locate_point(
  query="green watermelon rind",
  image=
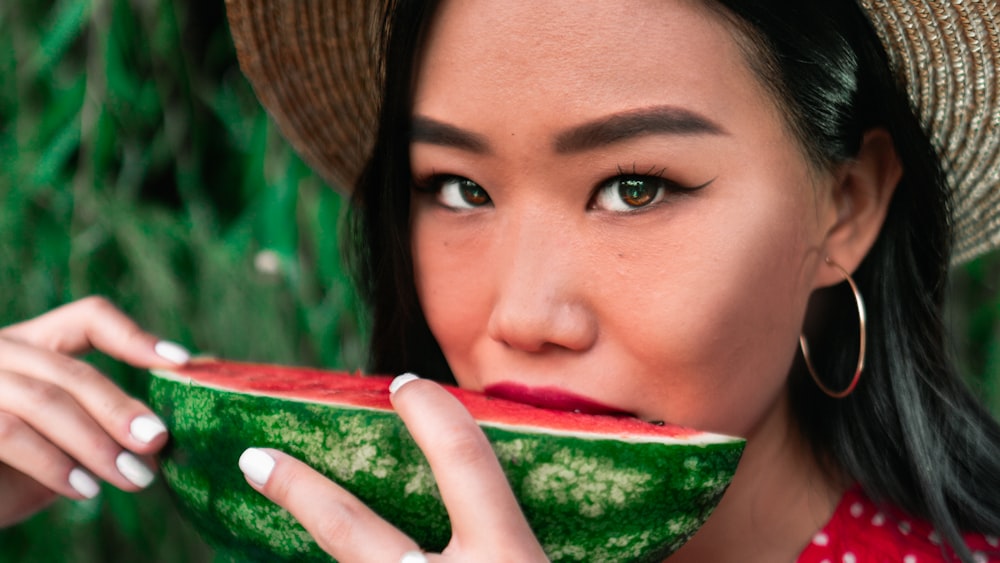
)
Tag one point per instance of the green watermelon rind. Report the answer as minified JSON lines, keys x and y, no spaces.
{"x":585,"y":498}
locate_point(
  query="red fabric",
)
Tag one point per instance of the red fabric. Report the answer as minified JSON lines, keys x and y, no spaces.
{"x":860,"y":532}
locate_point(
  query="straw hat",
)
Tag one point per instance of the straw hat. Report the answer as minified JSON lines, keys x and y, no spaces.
{"x":313,"y":65}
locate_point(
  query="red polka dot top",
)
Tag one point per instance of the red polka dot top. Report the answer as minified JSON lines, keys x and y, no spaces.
{"x":860,"y":532}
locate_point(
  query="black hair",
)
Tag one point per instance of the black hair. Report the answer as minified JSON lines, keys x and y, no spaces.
{"x":379,"y":253}
{"x":912,"y":434}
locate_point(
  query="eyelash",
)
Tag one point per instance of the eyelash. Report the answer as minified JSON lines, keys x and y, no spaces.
{"x":433,"y":183}
{"x":659,"y":174}
{"x":664,"y":187}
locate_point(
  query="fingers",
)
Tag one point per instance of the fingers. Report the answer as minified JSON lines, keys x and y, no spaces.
{"x":24,"y":451}
{"x":487,"y":522}
{"x":47,"y":434}
{"x":483,"y":510}
{"x":22,"y":496}
{"x":35,"y":381}
{"x":342,"y":525}
{"x":95,"y":323}
{"x":63,"y":425}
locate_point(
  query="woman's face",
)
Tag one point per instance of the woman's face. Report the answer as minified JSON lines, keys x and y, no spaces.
{"x":611,"y":213}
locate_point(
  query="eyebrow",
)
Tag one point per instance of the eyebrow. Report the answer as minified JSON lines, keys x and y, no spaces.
{"x":621,"y":127}
{"x":615,"y":128}
{"x":427,"y":130}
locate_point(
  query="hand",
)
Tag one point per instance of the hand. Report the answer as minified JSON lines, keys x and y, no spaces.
{"x":487,"y":523}
{"x":62,"y":423}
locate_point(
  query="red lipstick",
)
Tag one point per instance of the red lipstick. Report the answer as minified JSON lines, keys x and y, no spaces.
{"x":551,"y":398}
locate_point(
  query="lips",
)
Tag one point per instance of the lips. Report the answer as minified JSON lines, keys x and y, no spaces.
{"x":551,"y":398}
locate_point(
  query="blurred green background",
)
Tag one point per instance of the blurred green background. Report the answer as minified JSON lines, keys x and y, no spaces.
{"x":135,"y":163}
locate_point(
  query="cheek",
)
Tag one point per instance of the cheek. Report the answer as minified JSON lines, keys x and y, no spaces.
{"x":699,"y":311}
{"x":452,"y":286}
{"x":727,"y":324}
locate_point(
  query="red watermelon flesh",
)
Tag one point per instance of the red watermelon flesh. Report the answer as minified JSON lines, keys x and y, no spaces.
{"x":372,"y":392}
{"x":593,"y":487}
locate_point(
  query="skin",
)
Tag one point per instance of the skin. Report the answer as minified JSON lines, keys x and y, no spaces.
{"x":545,"y":290}
{"x":686,"y":310}
{"x":58,"y":414}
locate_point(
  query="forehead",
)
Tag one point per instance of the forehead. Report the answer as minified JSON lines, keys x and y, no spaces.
{"x":576,"y":57}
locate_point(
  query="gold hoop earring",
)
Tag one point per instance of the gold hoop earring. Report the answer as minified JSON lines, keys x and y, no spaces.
{"x":862,"y":318}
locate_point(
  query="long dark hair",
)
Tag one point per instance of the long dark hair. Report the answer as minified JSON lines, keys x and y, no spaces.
{"x":911,"y":434}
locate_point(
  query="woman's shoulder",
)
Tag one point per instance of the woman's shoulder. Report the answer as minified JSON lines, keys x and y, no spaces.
{"x":861,"y":532}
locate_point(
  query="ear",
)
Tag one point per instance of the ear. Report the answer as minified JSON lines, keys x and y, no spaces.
{"x":862,"y":190}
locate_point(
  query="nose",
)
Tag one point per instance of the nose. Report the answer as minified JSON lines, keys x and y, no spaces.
{"x":542,"y":300}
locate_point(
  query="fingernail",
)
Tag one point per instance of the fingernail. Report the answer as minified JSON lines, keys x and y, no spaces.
{"x":83,"y":483}
{"x":145,"y":428}
{"x":413,"y":557}
{"x":134,"y":470}
{"x":256,"y":465}
{"x":172,"y":352}
{"x":402,"y":380}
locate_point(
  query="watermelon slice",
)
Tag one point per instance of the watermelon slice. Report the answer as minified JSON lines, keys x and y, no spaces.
{"x":593,"y":487}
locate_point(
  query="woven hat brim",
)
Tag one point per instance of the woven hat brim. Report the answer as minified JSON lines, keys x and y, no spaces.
{"x":313,"y":65}
{"x":948,"y":54}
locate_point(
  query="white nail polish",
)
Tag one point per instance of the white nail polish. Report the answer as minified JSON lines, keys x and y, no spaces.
{"x":256,"y":465}
{"x":83,"y":483}
{"x":172,"y":352}
{"x":402,"y":380}
{"x":145,"y":428}
{"x":134,"y":470}
{"x":413,"y":557}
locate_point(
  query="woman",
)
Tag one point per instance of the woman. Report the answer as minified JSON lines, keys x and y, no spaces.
{"x":649,"y":208}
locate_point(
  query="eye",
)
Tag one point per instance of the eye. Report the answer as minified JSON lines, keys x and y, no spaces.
{"x":630,"y":193}
{"x":456,"y":192}
{"x":633,"y":192}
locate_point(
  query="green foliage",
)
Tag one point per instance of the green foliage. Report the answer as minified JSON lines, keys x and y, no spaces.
{"x":974,"y":314}
{"x":136,"y":163}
